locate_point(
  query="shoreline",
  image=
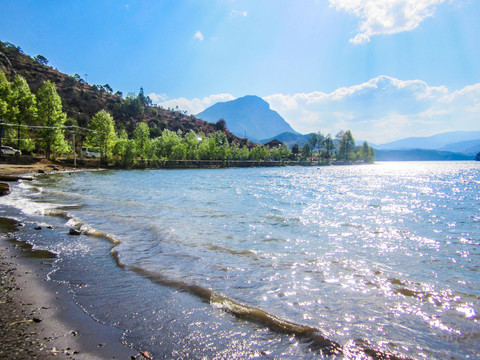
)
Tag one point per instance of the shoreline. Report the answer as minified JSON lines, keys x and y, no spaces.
{"x":39,"y":317}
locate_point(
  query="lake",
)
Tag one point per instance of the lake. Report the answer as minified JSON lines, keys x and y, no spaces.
{"x":291,"y":262}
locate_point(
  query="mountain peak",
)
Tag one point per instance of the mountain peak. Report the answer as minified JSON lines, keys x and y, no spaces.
{"x":249,"y":116}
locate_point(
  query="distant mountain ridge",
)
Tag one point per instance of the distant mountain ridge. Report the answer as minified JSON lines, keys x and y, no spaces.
{"x":434,"y":142}
{"x":454,"y":145}
{"x":419,"y":155}
{"x":249,"y":116}
{"x":289,"y":139}
{"x":470,"y":147}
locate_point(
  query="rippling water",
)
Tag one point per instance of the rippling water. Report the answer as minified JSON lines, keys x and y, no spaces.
{"x":274,"y":263}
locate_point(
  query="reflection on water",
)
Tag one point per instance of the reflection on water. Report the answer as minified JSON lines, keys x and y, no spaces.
{"x":382,"y":257}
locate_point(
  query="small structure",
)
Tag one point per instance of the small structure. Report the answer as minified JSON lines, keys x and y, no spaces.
{"x":274,"y":144}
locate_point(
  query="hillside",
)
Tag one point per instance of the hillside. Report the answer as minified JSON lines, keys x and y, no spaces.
{"x":81,"y":100}
{"x":248,"y":116}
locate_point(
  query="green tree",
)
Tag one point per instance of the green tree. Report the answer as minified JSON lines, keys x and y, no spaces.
{"x":125,"y":150}
{"x":41,"y":59}
{"x":306,"y":152}
{"x":102,"y":134}
{"x":50,"y":115}
{"x":328,"y":146}
{"x":259,"y":153}
{"x":280,"y":153}
{"x":141,"y":135}
{"x":191,"y":141}
{"x":366,"y":153}
{"x":179,"y":152}
{"x":4,"y":100}
{"x":23,"y":111}
{"x":222,"y":148}
{"x":346,"y":146}
{"x":168,"y":141}
{"x":295,"y":151}
{"x":5,"y":93}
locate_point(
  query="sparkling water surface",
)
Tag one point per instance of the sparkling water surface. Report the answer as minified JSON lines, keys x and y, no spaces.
{"x":382,"y":256}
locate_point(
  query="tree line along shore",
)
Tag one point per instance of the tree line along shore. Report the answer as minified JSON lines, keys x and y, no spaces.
{"x":132,"y":132}
{"x":36,"y":123}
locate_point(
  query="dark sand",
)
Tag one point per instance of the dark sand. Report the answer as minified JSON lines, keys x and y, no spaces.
{"x":38,"y":317}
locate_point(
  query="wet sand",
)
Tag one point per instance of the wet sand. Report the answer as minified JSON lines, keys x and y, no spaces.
{"x":38,"y":317}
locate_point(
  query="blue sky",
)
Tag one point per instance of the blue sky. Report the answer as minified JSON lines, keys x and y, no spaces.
{"x":385,"y":69}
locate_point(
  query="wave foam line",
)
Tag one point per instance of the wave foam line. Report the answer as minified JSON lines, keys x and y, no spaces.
{"x":310,"y":334}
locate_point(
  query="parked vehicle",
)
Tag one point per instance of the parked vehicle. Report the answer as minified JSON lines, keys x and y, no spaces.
{"x":90,"y":153}
{"x":8,"y":150}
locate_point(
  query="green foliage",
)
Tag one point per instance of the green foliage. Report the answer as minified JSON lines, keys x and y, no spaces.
{"x":23,"y":111}
{"x":41,"y":59}
{"x":125,"y":150}
{"x":102,"y":134}
{"x":259,"y":153}
{"x":346,"y":147}
{"x":328,"y":146}
{"x":295,"y":151}
{"x":168,"y":141}
{"x":191,"y":141}
{"x":280,"y":153}
{"x":366,"y":153}
{"x":50,"y":115}
{"x":306,"y":152}
{"x":141,"y":135}
{"x":221,"y":125}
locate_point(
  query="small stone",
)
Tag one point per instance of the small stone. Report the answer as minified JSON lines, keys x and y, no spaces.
{"x":74,"y":232}
{"x":38,"y":228}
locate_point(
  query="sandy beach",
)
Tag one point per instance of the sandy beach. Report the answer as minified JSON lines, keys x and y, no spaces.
{"x":38,"y":317}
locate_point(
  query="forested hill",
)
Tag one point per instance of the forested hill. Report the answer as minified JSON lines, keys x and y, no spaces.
{"x":81,"y":100}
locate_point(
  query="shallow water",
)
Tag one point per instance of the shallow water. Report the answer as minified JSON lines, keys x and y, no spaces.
{"x":275,"y":263}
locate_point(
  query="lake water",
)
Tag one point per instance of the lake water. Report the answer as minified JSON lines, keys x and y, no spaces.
{"x":296,"y":262}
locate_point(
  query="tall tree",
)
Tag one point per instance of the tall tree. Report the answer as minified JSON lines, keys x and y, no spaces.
{"x":5,"y":92}
{"x":102,"y":134}
{"x":346,"y":146}
{"x":141,"y":135}
{"x":50,"y":115}
{"x":23,"y":111}
{"x":328,"y":146}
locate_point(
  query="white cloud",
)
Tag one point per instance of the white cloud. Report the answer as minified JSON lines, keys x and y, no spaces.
{"x":157,"y":98}
{"x":192,"y":106}
{"x":382,"y":109}
{"x":236,"y":13}
{"x":198,"y":35}
{"x":386,"y":16}
{"x":379,"y":110}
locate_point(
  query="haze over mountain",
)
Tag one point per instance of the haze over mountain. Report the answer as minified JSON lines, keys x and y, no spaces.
{"x":437,"y":142}
{"x":249,"y":116}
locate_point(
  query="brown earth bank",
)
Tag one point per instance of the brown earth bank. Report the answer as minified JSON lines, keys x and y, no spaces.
{"x":19,"y":166}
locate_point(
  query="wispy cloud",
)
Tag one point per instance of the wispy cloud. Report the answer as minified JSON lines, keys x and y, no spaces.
{"x":192,"y":106}
{"x":198,"y":35}
{"x":382,"y":109}
{"x":386,"y":16}
{"x":237,"y":13}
